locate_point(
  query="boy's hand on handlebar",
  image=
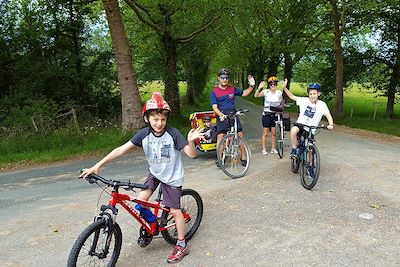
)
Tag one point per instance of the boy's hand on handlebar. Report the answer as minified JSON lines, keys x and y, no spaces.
{"x":86,"y":172}
{"x":222,"y":118}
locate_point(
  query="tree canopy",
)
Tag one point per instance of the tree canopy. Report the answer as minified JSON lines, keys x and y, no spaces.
{"x":57,"y":55}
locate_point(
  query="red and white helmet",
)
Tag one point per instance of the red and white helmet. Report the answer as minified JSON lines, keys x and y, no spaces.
{"x":156,"y":102}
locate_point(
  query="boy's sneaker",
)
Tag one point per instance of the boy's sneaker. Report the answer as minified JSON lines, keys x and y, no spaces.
{"x":178,"y":253}
{"x":264,"y":152}
{"x":274,"y":151}
{"x":244,"y":162}
{"x":310,"y":171}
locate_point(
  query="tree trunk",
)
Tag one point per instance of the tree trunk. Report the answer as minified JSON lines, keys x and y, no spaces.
{"x":339,"y":78}
{"x":338,"y":31}
{"x":201,"y":78}
{"x":74,"y":26}
{"x":130,"y":99}
{"x":190,"y":88}
{"x":391,"y":94}
{"x":171,"y":83}
{"x":273,"y":65}
{"x":288,"y":69}
{"x":257,"y":64}
{"x":394,"y":79}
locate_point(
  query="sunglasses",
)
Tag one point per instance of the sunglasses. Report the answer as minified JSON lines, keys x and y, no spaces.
{"x":272,"y":83}
{"x":224,"y":77}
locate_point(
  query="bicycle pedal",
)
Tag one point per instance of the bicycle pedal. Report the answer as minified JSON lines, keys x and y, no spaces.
{"x":144,"y":241}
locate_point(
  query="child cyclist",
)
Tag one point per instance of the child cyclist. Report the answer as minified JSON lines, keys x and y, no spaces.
{"x":161,"y":145}
{"x":271,"y":95}
{"x":311,"y":111}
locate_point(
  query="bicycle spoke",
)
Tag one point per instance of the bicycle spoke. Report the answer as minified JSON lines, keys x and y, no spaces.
{"x":310,"y":167}
{"x":235,"y":156}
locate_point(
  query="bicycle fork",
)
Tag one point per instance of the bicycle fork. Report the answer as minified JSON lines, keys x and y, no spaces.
{"x":109,"y":220}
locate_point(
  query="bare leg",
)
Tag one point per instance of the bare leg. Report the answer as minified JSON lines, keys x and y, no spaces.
{"x":180,"y":222}
{"x":219,"y":139}
{"x":145,"y":194}
{"x":242,"y":149}
{"x":273,"y":138}
{"x":264,"y":138}
{"x":293,"y":136}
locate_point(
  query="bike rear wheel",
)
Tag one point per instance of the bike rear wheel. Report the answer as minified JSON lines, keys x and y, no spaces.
{"x":230,"y":153}
{"x":89,"y":248}
{"x":310,"y":167}
{"x":192,"y":209}
{"x":279,"y":139}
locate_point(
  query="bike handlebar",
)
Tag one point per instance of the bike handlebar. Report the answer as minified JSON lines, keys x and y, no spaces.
{"x":312,"y":127}
{"x":92,"y":178}
{"x":241,"y":111}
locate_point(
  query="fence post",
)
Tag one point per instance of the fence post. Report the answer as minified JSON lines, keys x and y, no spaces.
{"x":376,"y":106}
{"x":34,"y":124}
{"x":75,"y":120}
{"x":351,"y":112}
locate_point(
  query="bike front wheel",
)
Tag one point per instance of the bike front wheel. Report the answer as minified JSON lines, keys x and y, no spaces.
{"x":279,"y":139}
{"x":97,"y":245}
{"x":310,"y":167}
{"x":295,"y":162}
{"x":192,"y":209}
{"x":233,"y":156}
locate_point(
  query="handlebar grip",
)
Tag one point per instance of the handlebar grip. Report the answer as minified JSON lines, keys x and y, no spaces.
{"x":94,"y":177}
{"x":141,"y":186}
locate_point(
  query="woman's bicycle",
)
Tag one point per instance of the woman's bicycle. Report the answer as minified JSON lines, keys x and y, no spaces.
{"x":100,"y":243}
{"x":277,"y":108}
{"x":307,"y":157}
{"x":233,"y":152}
{"x":280,"y":134}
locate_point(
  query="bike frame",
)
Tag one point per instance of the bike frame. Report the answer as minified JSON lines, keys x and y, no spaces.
{"x":308,"y":137}
{"x":233,"y":129}
{"x":151,"y":228}
{"x":279,"y":123}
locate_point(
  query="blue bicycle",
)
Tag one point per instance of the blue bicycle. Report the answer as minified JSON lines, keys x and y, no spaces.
{"x":307,"y":157}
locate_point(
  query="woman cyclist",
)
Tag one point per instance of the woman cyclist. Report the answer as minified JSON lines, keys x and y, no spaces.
{"x":271,"y":95}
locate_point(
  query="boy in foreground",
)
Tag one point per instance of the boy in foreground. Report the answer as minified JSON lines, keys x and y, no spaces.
{"x":161,"y":145}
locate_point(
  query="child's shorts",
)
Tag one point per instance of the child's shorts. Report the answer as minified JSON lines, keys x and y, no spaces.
{"x":171,"y":195}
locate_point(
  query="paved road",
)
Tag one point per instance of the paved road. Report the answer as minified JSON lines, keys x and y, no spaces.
{"x":263,"y":219}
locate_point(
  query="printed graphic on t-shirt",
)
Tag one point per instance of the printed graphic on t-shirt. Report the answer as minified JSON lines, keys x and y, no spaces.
{"x":160,"y":152}
{"x":165,"y":151}
{"x":310,"y":111}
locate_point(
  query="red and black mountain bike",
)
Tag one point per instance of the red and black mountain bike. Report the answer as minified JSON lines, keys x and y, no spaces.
{"x":100,"y":243}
